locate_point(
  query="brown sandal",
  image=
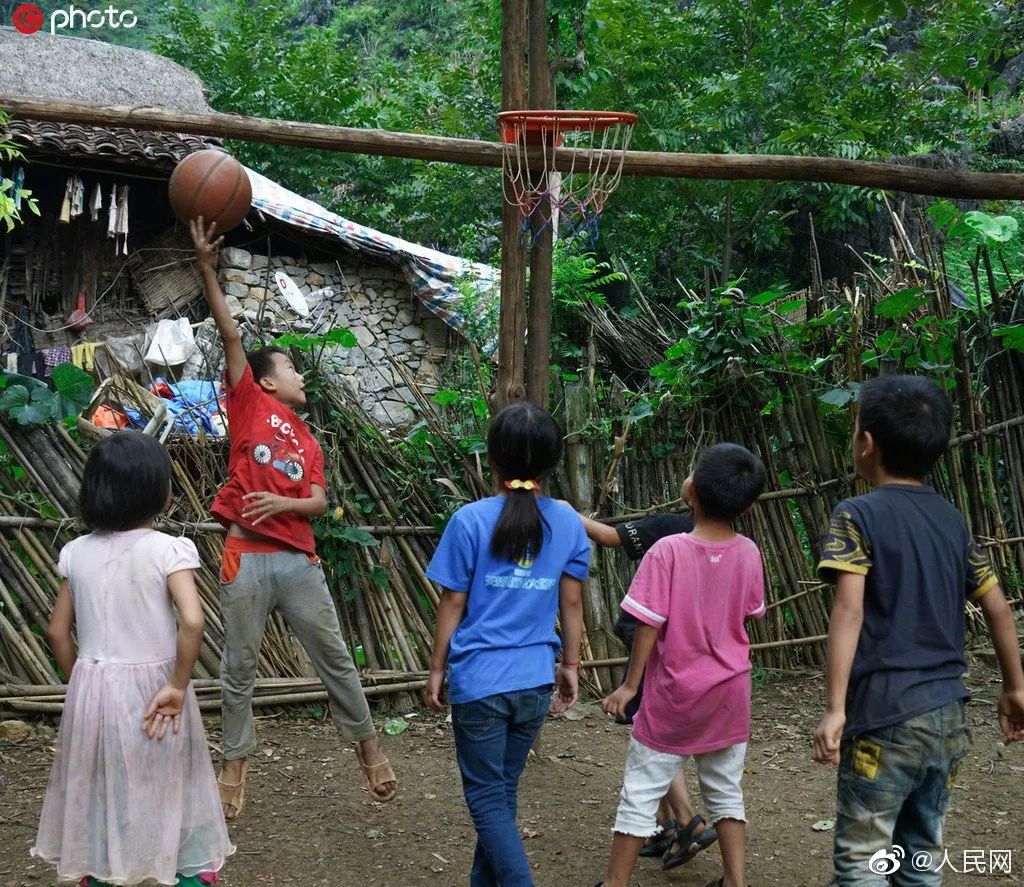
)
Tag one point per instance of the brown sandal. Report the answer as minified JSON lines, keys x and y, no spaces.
{"x":377,"y":775}
{"x":232,"y":794}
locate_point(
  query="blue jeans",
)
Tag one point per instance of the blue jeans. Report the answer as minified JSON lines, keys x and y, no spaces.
{"x":894,"y":786}
{"x":493,"y":736}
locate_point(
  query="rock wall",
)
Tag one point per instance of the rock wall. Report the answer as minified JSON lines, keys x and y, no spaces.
{"x":373,"y":301}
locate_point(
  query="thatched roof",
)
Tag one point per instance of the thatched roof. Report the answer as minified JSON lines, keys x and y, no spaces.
{"x":89,"y":72}
{"x":73,"y":69}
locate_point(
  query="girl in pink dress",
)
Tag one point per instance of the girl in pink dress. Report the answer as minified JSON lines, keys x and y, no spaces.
{"x":132,"y":796}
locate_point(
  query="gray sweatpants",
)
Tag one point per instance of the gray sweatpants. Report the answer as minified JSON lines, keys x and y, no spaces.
{"x":290,"y":582}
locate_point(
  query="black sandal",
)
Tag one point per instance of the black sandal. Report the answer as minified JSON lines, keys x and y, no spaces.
{"x":690,"y":843}
{"x":659,"y":844}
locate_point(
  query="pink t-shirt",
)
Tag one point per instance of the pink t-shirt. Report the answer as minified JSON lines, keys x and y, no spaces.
{"x":697,"y":683}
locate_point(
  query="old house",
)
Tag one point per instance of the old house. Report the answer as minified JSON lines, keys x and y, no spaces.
{"x":105,"y":259}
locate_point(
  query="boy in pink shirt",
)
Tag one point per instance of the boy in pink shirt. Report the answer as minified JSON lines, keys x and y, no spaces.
{"x":692,"y":595}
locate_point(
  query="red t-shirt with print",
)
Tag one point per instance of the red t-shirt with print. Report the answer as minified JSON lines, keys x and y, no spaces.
{"x":271,"y":451}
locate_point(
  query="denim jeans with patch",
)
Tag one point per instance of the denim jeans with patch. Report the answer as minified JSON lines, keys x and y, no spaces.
{"x":894,"y":786}
{"x":493,"y":737}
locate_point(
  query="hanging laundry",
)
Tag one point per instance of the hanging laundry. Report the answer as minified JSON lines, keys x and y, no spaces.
{"x":12,"y":362}
{"x":112,"y":215}
{"x":19,"y":184}
{"x":24,"y":344}
{"x":122,"y":220}
{"x":77,"y":198}
{"x":53,"y":357}
{"x":96,"y":204}
{"x":40,"y":370}
{"x":65,"y":207}
{"x":83,"y":355}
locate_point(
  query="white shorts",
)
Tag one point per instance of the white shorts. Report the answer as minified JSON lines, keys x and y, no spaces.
{"x":649,"y":774}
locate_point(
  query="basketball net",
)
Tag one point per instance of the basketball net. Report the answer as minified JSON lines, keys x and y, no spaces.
{"x":569,"y":201}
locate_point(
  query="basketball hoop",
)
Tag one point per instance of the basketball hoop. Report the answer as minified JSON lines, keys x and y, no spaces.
{"x":572,"y":199}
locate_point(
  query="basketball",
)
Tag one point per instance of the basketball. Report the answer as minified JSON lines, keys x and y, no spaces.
{"x":213,"y":185}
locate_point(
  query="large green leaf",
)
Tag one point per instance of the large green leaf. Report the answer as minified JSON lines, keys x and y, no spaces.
{"x":1012,"y":336}
{"x":837,"y":397}
{"x":901,"y":304}
{"x":72,"y":390}
{"x":999,"y":229}
{"x":27,"y":408}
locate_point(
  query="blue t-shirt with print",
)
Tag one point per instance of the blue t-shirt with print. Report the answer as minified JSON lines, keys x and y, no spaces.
{"x":506,"y":640}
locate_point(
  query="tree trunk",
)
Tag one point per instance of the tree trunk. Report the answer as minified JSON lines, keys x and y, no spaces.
{"x":512,"y":313}
{"x":538,"y":343}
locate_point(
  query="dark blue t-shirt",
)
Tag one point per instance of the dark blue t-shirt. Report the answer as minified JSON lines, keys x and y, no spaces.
{"x":920,"y":564}
{"x":506,"y":640}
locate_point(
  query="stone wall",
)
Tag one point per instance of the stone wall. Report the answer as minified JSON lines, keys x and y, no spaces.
{"x":373,"y":301}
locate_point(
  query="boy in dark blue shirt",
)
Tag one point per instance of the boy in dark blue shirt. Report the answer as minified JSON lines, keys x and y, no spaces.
{"x":904,"y":565}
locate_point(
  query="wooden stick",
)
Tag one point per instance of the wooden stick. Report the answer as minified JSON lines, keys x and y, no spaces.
{"x":196,"y":529}
{"x":471,"y":152}
{"x":770,"y":645}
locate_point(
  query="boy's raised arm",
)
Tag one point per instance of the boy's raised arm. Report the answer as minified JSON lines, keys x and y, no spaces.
{"x":207,"y":243}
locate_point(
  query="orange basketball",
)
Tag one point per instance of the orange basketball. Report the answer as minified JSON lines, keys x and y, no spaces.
{"x":213,"y":185}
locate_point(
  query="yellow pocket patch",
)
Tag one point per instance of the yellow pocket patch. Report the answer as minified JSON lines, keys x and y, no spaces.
{"x":866,"y":758}
{"x":952,"y":778}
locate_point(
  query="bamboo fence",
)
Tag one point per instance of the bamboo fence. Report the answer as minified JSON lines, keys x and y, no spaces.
{"x":617,"y":469}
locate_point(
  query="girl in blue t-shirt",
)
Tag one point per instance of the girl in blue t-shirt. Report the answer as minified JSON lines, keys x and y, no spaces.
{"x":508,"y":565}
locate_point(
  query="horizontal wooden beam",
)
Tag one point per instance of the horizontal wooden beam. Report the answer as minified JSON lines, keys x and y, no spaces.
{"x":470,"y":152}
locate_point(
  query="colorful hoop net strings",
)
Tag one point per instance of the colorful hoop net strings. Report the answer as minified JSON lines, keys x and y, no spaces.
{"x":570,"y":201}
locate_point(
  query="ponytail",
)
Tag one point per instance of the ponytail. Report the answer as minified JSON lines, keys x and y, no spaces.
{"x":523,"y":444}
{"x":519,"y":534}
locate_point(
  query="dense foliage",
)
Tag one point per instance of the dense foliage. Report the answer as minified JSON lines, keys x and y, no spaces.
{"x":854,"y":78}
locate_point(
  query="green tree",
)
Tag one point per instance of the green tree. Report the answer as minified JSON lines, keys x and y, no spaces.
{"x":10,"y":194}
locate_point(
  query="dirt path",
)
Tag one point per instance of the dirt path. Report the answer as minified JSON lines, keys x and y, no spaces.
{"x":308,"y":820}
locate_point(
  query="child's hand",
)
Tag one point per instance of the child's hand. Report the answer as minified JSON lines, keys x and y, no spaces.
{"x":828,"y":737}
{"x":1011,"y":715}
{"x":259,"y":506}
{"x":615,"y":705}
{"x":434,"y":692}
{"x":203,"y":240}
{"x":568,"y":685}
{"x":163,"y":710}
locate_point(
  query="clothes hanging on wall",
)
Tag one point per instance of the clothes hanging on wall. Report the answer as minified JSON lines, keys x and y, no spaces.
{"x":19,"y":184}
{"x":53,"y":357}
{"x":65,"y":207}
{"x":12,"y":362}
{"x":83,"y":355}
{"x":96,"y":204}
{"x":122,"y":221}
{"x":112,"y":214}
{"x":77,"y":197}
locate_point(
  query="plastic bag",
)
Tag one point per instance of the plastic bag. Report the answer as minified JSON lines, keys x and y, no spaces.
{"x":173,"y":343}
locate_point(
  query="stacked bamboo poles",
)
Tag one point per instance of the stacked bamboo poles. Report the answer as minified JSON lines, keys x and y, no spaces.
{"x":385,"y":602}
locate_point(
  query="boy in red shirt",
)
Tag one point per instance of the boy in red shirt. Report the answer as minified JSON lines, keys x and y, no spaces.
{"x":275,"y":486}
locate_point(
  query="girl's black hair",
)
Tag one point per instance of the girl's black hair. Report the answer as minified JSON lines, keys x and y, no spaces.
{"x":523,"y":443}
{"x":127,"y":481}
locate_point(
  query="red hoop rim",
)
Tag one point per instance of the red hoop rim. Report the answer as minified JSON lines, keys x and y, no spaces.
{"x":557,"y":121}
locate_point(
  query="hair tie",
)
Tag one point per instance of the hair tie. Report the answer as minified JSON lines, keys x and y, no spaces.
{"x":522,"y":485}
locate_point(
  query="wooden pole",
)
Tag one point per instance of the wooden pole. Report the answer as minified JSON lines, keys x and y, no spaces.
{"x":471,"y":152}
{"x":538,"y":342}
{"x":512,"y":311}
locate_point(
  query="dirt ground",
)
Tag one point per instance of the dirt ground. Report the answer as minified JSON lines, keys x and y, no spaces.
{"x":308,"y":820}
